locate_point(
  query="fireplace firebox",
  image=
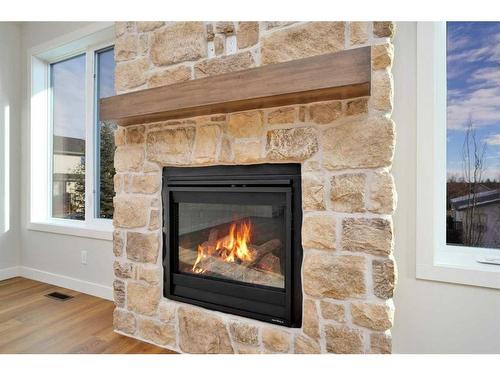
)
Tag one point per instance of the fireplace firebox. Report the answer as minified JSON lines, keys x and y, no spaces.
{"x":232,"y":239}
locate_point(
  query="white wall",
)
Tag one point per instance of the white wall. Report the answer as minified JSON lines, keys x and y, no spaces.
{"x":53,"y":257}
{"x":431,"y":317}
{"x":10,"y":75}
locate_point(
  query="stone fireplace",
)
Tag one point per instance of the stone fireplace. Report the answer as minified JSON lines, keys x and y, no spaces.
{"x":343,"y":150}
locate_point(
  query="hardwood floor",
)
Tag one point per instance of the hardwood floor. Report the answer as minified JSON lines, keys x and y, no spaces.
{"x":33,"y":323}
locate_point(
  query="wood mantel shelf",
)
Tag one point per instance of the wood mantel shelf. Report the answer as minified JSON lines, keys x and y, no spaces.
{"x":340,"y":75}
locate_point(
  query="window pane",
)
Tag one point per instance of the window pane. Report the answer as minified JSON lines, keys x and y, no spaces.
{"x":105,"y":86}
{"x":473,"y":134}
{"x":68,"y":138}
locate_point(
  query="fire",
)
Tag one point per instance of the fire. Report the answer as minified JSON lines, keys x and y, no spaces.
{"x":234,"y":247}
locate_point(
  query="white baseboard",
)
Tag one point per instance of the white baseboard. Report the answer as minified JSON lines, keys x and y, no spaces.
{"x":79,"y":285}
{"x":8,"y":273}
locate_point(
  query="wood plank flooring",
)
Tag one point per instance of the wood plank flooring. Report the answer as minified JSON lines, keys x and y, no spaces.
{"x":33,"y":323}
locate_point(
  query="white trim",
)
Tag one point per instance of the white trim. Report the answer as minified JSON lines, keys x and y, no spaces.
{"x":67,"y":227}
{"x":434,"y":259}
{"x":9,"y":273}
{"x":85,"y":40}
{"x":67,"y":282}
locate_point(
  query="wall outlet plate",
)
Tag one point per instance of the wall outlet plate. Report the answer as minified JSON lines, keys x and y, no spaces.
{"x":84,"y":257}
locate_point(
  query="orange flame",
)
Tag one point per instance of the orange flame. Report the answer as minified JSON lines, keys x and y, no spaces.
{"x":231,"y":248}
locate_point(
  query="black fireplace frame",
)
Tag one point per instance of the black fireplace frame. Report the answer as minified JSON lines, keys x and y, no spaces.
{"x":274,"y":305}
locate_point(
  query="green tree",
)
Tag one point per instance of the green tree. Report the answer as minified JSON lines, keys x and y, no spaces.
{"x":107,"y":169}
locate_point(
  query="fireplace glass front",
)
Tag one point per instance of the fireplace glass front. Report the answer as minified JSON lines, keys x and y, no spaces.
{"x":232,"y":239}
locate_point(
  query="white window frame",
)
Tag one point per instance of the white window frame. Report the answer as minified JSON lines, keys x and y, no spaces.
{"x":434,"y":259}
{"x":87,"y":40}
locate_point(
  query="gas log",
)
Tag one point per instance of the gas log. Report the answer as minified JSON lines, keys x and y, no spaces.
{"x":263,"y":268}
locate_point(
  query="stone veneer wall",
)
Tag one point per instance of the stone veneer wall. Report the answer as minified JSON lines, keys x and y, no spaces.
{"x":346,"y":150}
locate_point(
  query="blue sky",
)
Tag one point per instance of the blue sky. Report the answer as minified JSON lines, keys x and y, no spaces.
{"x":68,"y":85}
{"x":473,"y":78}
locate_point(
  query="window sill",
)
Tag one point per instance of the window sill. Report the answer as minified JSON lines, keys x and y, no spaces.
{"x":101,"y":231}
{"x":460,"y":266}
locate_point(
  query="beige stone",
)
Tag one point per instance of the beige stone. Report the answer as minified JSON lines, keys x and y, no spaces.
{"x":126,"y":47}
{"x":382,"y":193}
{"x":117,"y":243}
{"x":275,"y":340}
{"x":177,"y":42}
{"x":118,"y":183}
{"x":149,"y":274}
{"x":142,"y":247}
{"x":275,"y":24}
{"x":247,"y":152}
{"x":219,"y":45}
{"x":285,"y":115}
{"x":343,"y":340}
{"x":245,"y":124}
{"x":170,"y":146}
{"x":120,"y":138}
{"x":130,"y":74}
{"x":372,"y":236}
{"x":318,"y":232}
{"x":206,"y":142}
{"x":210,"y":32}
{"x":226,"y":150}
{"x":124,"y":270}
{"x":383,"y":29}
{"x":358,"y":32}
{"x":143,"y":298}
{"x":313,"y":192}
{"x":166,"y":311}
{"x":325,"y":113}
{"x":332,"y":276}
{"x":310,"y":325}
{"x":311,"y":166}
{"x":224,"y":64}
{"x":347,"y":193}
{"x":244,"y":333}
{"x":302,"y":113}
{"x":295,"y":144}
{"x":202,"y":332}
{"x":306,"y":345}
{"x":135,"y":134}
{"x":243,"y":349}
{"x":157,"y":332}
{"x":124,"y":321}
{"x":169,"y":76}
{"x":119,"y":293}
{"x":378,"y":317}
{"x":380,"y":343}
{"x":145,"y":26}
{"x":129,"y":158}
{"x":310,"y":39}
{"x":248,"y":34}
{"x":224,"y":27}
{"x":359,"y":144}
{"x":332,"y":311}
{"x":130,"y":211}
{"x":384,"y":278}
{"x":154,"y":220}
{"x":382,"y":56}
{"x":143,"y":46}
{"x":144,"y":183}
{"x":358,"y":106}
{"x":382,"y":90}
{"x":124,"y":27}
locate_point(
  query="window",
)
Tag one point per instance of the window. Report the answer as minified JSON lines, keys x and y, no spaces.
{"x":67,"y":83}
{"x":473,"y":134}
{"x":458,"y":125}
{"x":105,"y":86}
{"x":71,"y":149}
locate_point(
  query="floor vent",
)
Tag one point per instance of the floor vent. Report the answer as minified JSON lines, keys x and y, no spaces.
{"x":58,"y":296}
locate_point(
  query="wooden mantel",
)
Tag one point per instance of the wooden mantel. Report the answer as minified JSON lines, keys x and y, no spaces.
{"x":340,"y":75}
